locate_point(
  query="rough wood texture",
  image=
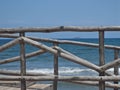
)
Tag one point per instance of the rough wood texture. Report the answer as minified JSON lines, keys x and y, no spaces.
{"x":9,"y":44}
{"x":101,"y":58}
{"x":55,"y":68}
{"x":110,"y":64}
{"x":60,"y":29}
{"x":116,"y":67}
{"x":17,"y":58}
{"x":63,"y":41}
{"x":22,"y":61}
{"x":96,"y":83}
{"x":61,"y":78}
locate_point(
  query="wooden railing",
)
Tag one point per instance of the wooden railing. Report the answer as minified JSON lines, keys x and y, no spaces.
{"x":24,"y":76}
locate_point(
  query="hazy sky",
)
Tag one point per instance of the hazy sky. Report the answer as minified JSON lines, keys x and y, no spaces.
{"x":49,"y":13}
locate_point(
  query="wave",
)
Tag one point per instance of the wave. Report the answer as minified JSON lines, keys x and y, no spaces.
{"x":69,"y":71}
{"x":64,"y":71}
{"x":112,"y":70}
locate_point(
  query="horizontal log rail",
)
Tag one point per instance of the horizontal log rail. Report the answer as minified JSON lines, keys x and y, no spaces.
{"x":60,"y":29}
{"x":96,"y":83}
{"x":61,"y":78}
{"x":63,"y":41}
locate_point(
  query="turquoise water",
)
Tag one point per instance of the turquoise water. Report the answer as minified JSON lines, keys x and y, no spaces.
{"x":44,"y":63}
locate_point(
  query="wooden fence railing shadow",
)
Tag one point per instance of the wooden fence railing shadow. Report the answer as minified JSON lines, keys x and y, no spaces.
{"x":104,"y":79}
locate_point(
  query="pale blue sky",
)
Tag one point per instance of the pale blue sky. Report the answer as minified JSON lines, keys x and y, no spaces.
{"x":48,"y":13}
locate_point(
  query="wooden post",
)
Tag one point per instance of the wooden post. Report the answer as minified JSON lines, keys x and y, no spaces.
{"x":116,"y":67}
{"x":55,"y":68}
{"x":101,"y":58}
{"x":23,"y":62}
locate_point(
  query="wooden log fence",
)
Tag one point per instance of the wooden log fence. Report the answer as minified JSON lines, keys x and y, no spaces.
{"x":116,"y":67}
{"x":56,"y":68}
{"x":64,"y":42}
{"x":96,"y":83}
{"x":8,"y":45}
{"x":60,"y":29}
{"x":66,"y":56}
{"x":61,"y":78}
{"x":17,"y":58}
{"x":22,"y":61}
{"x":101,"y":58}
{"x":23,"y":75}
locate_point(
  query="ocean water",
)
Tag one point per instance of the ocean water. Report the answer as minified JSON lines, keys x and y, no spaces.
{"x":44,"y":63}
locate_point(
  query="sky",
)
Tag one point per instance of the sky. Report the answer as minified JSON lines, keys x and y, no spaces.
{"x":50,"y":13}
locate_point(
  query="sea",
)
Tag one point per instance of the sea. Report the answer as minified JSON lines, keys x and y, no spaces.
{"x":44,"y":63}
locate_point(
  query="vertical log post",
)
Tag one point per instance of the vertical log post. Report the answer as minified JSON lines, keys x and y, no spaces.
{"x":23,"y":62}
{"x":101,"y":58}
{"x":55,"y":69}
{"x":116,"y":67}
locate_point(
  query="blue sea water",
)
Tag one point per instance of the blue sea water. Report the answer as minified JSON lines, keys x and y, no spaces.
{"x":44,"y":63}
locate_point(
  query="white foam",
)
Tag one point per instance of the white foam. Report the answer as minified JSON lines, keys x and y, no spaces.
{"x":69,"y":71}
{"x":112,"y":70}
{"x":62,"y":70}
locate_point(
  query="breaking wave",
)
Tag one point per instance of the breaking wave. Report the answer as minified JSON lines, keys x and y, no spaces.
{"x":69,"y":71}
{"x":65,"y":71}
